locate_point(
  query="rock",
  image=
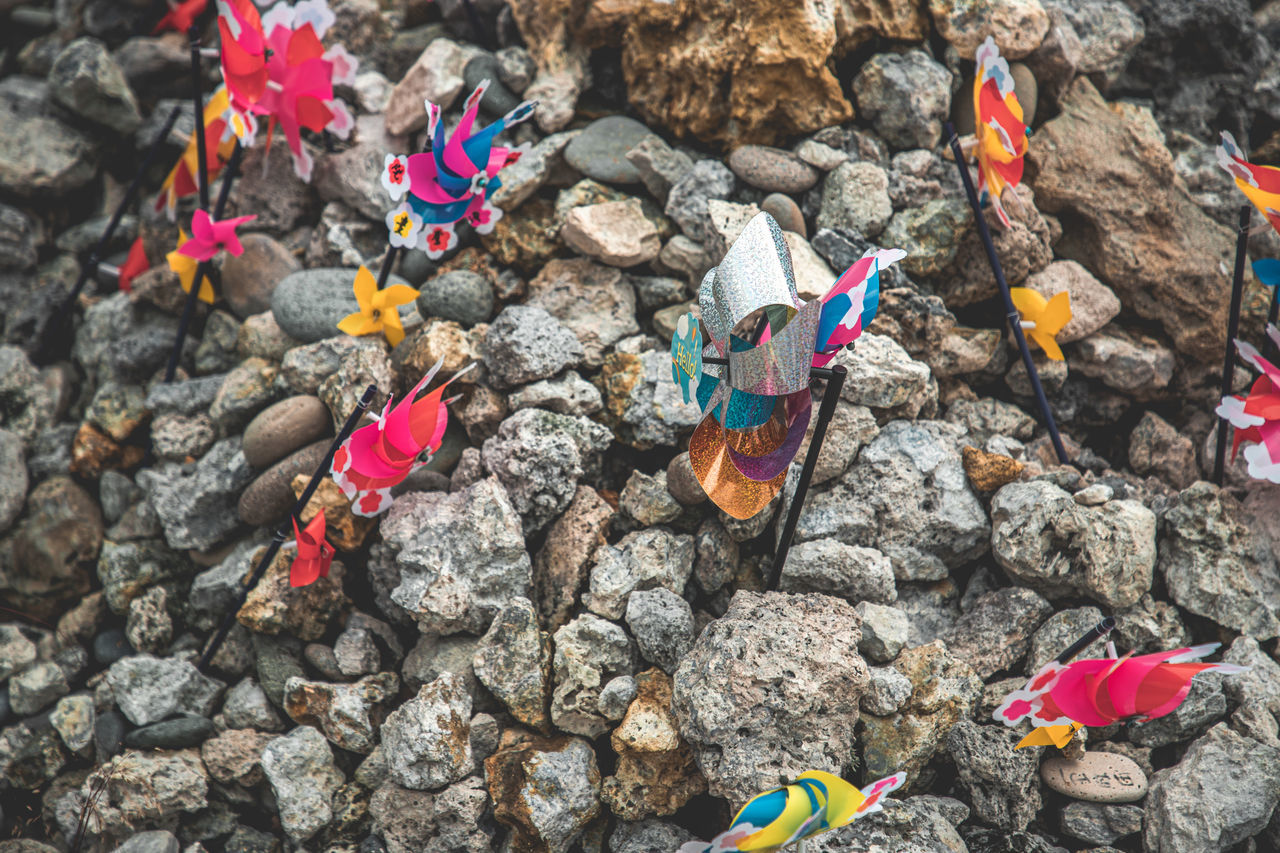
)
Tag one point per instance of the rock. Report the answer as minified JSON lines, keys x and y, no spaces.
{"x":513,"y":660}
{"x":907,"y":95}
{"x":1093,"y":304}
{"x":1216,"y":566}
{"x":153,"y":841}
{"x":49,"y":555}
{"x":786,"y":212}
{"x":884,"y":631}
{"x":149,"y":627}
{"x":1100,"y":824}
{"x":546,"y":790}
{"x":1131,"y":363}
{"x":355,"y":653}
{"x":743,"y":717}
{"x":36,"y":687}
{"x":308,"y":304}
{"x":436,"y":76}
{"x":616,"y":697}
{"x":29,"y":408}
{"x":597,"y":303}
{"x":772,"y":169}
{"x":995,"y":630}
{"x":647,"y":499}
{"x":87,"y":81}
{"x":1018,"y":26}
{"x":1000,"y":779}
{"x":641,"y":403}
{"x":1204,"y":705}
{"x":235,"y":755}
{"x":682,"y":483}
{"x":249,"y":280}
{"x":414,"y":820}
{"x":284,"y":427}
{"x":539,"y":457}
{"x":523,"y":178}
{"x":459,"y":295}
{"x":616,"y":233}
{"x":989,"y":471}
{"x":662,"y":623}
{"x":1096,"y":777}
{"x":656,"y":773}
{"x":175,"y":782}
{"x":196,"y":505}
{"x":658,"y":164}
{"x":170,"y":734}
{"x":274,"y":606}
{"x":1058,"y":632}
{"x":270,"y":496}
{"x":148,"y":689}
{"x":855,"y":196}
{"x":834,"y":568}
{"x":645,"y":559}
{"x":588,"y":653}
{"x":42,"y":156}
{"x":600,"y":151}
{"x":246,"y":707}
{"x":459,"y":558}
{"x":888,"y":691}
{"x":1155,"y":447}
{"x":884,"y":378}
{"x":687,"y":200}
{"x":349,"y":715}
{"x":526,"y":343}
{"x":302,"y":774}
{"x":14,"y":481}
{"x":17,"y":650}
{"x":1043,"y":538}
{"x":563,"y":565}
{"x":567,"y":394}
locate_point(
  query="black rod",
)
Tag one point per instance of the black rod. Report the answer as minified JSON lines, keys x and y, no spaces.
{"x":282,"y":532}
{"x":1012,"y":313}
{"x":387,"y":263}
{"x":1097,"y":632}
{"x":1233,"y":329}
{"x":197,"y":100}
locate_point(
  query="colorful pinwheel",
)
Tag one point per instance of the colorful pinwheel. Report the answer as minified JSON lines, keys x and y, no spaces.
{"x":815,"y":803}
{"x":378,"y":456}
{"x":185,"y":266}
{"x":314,"y":552}
{"x":757,"y":407}
{"x":208,"y":237}
{"x":1058,"y":736}
{"x":1002,"y":137}
{"x":220,"y":141}
{"x":134,"y":265}
{"x":1256,"y":416}
{"x":1101,"y":691}
{"x":379,"y":308}
{"x":451,"y":182}
{"x":1261,"y":184}
{"x":277,"y":67}
{"x":181,"y":16}
{"x":1042,"y":319}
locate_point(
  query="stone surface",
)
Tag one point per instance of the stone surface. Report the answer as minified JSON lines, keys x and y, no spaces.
{"x":600,"y":151}
{"x":1096,"y":777}
{"x":459,"y":295}
{"x":347,"y":714}
{"x":197,"y":504}
{"x":597,"y":303}
{"x":284,"y":427}
{"x":884,"y":631}
{"x":513,"y":660}
{"x":525,"y":343}
{"x":907,"y":95}
{"x":1100,"y":824}
{"x":86,"y":80}
{"x":856,"y":196}
{"x":616,"y":233}
{"x":834,"y":568}
{"x":148,"y":689}
{"x":1156,"y":447}
{"x":546,"y":790}
{"x":771,"y":169}
{"x":428,"y":739}
{"x":435,"y":76}
{"x":589,"y":652}
{"x":1000,"y":779}
{"x":1018,"y":26}
{"x":276,"y":607}
{"x":646,"y":559}
{"x":309,"y":303}
{"x":562,"y":566}
{"x":1093,"y":304}
{"x":302,"y":774}
{"x":662,"y":623}
{"x":995,"y":629}
{"x":409,"y":821}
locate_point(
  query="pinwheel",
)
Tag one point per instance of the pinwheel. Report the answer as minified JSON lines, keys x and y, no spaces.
{"x":277,"y":67}
{"x":185,"y":266}
{"x":1058,"y":736}
{"x":379,"y":456}
{"x":208,"y":237}
{"x":379,"y":308}
{"x":1042,"y":319}
{"x":814,"y":803}
{"x":756,"y":407}
{"x":1260,"y":184}
{"x":220,"y":139}
{"x":451,"y":182}
{"x":181,"y":16}
{"x":314,"y":552}
{"x":1256,"y":416}
{"x":1002,"y":137}
{"x":134,"y":265}
{"x":1101,"y":691}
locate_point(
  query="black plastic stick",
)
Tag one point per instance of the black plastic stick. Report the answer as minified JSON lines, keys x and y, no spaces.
{"x":197,"y":100}
{"x":1233,"y":329}
{"x":282,"y":532}
{"x":1015,"y":319}
{"x":193,"y":295}
{"x":388,"y":262}
{"x":1097,"y":632}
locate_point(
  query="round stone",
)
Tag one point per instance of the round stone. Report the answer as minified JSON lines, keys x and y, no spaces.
{"x":786,"y":212}
{"x":283,"y":427}
{"x":309,"y":304}
{"x":600,"y":150}
{"x":249,"y":280}
{"x":110,"y":646}
{"x":772,"y":169}
{"x":270,"y":497}
{"x":1096,"y":777}
{"x":498,"y":99}
{"x":171,"y":734}
{"x":460,"y":295}
{"x":682,"y":483}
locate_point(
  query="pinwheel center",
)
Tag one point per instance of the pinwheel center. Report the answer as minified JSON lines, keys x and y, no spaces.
{"x":377,"y":313}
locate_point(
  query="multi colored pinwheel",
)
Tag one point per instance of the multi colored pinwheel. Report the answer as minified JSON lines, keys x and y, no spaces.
{"x":1261,"y":184}
{"x":185,"y":266}
{"x":379,"y":456}
{"x":209,"y":236}
{"x":1101,"y":691}
{"x":220,"y":141}
{"x":757,"y":407}
{"x":1256,"y":416}
{"x":276,"y":66}
{"x":135,"y":264}
{"x":314,"y":552}
{"x":181,"y":16}
{"x":1002,"y":137}
{"x":1042,"y":319}
{"x":379,"y":308}
{"x":451,"y":182}
{"x":815,"y":803}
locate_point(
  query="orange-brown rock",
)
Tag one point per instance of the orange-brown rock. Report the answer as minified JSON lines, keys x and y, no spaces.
{"x":345,"y":531}
{"x":303,"y":611}
{"x":546,"y":789}
{"x":989,"y":471}
{"x":93,"y":451}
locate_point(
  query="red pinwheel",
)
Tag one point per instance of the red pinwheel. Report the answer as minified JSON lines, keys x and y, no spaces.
{"x":244,"y":59}
{"x":181,"y":16}
{"x":208,"y":237}
{"x":314,"y":553}
{"x":134,"y":265}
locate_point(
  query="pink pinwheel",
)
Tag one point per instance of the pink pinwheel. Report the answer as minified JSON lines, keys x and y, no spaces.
{"x":1256,"y":417}
{"x":209,"y":237}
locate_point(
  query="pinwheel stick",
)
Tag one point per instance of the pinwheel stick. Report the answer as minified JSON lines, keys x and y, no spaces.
{"x":282,"y":532}
{"x":1014,"y":317}
{"x":1097,"y":632}
{"x":388,"y":262}
{"x":1233,"y":329}
{"x":193,"y":295}
{"x":197,"y":100}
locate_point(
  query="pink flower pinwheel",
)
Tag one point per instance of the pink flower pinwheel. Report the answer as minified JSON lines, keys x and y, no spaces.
{"x":209,"y":237}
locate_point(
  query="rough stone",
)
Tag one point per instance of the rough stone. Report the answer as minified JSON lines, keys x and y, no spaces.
{"x":526,"y":343}
{"x":148,"y":689}
{"x":907,"y":95}
{"x":546,"y":790}
{"x":1000,"y":779}
{"x":513,"y":660}
{"x":86,"y":80}
{"x":303,"y":776}
{"x":347,"y":714}
{"x":589,"y":652}
{"x":834,"y":568}
{"x":662,"y":623}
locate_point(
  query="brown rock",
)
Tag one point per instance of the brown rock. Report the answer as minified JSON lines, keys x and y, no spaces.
{"x":345,"y":531}
{"x":439,"y":340}
{"x":50,"y":555}
{"x":235,"y":756}
{"x":347,"y":714}
{"x":858,"y":21}
{"x":436,"y":76}
{"x":682,"y":483}
{"x":656,"y":772}
{"x":527,"y":774}
{"x":93,"y":451}
{"x":1018,"y":26}
{"x":1155,"y":447}
{"x":1093,"y":305}
{"x":283,"y":427}
{"x":561,"y":568}
{"x":270,"y":497}
{"x":273,"y":606}
{"x":989,"y":471}
{"x":559,"y":53}
{"x":616,"y":233}
{"x":1134,"y":225}
{"x":1023,"y":248}
{"x":249,"y":280}
{"x":526,"y":237}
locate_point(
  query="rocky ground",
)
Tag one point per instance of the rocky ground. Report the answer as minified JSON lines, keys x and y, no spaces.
{"x":552,"y":642}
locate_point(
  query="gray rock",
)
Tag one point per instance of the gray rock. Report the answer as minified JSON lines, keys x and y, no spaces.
{"x":17,"y":650}
{"x":37,"y":687}
{"x":1130,"y":363}
{"x":149,"y":627}
{"x":197,"y":504}
{"x":887,"y":692}
{"x":848,"y":571}
{"x":148,"y":689}
{"x":600,"y":151}
{"x":176,"y":783}
{"x":515,"y":67}
{"x":346,"y":714}
{"x":13,"y":478}
{"x":1202,"y":707}
{"x":646,"y":559}
{"x":595,"y":302}
{"x":662,"y":623}
{"x":884,"y":378}
{"x":566,"y":394}
{"x":1058,"y":632}
{"x":459,"y":295}
{"x":644,"y":407}
{"x":1260,"y":683}
{"x":884,"y":631}
{"x":87,"y":81}
{"x":1157,"y":448}
{"x":513,"y":660}
{"x":19,"y":238}
{"x":907,"y":95}
{"x":772,"y":169}
{"x":176,"y":438}
{"x":856,"y":196}
{"x":688,"y":197}
{"x":356,"y":653}
{"x":302,"y":774}
{"x":1243,"y":775}
{"x":646,"y":499}
{"x":526,"y":343}
{"x":647,"y":836}
{"x":28,"y":407}
{"x":1043,"y":538}
{"x":428,"y":739}
{"x":526,"y":176}
{"x":1108,"y":31}
{"x":539,"y":457}
{"x":616,"y":697}
{"x":452,"y":819}
{"x":305,"y":368}
{"x":246,"y":707}
{"x":995,"y":630}
{"x":549,"y":793}
{"x":1101,"y":824}
{"x":308,"y":304}
{"x":152,"y":841}
{"x":659,"y":165}
{"x":589,"y":653}
{"x":188,"y":397}
{"x":772,"y":669}
{"x":41,"y":156}
{"x":916,"y":825}
{"x":1003,"y":782}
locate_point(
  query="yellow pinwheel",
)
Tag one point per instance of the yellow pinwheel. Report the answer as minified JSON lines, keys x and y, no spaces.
{"x":185,"y":267}
{"x":379,"y":308}
{"x":1058,"y":736}
{"x":1042,"y":319}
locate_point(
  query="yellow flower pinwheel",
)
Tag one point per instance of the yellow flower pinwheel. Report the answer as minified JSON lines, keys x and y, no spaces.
{"x":1042,"y":319}
{"x":185,"y":267}
{"x":379,"y":309}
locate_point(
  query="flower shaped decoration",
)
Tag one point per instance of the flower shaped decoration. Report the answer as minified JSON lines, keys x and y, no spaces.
{"x":1002,"y":137}
{"x":185,"y":266}
{"x":757,"y":407}
{"x":314,"y":553}
{"x":1058,"y":736}
{"x":209,"y":236}
{"x":181,"y":16}
{"x":220,"y":141}
{"x":134,"y":265}
{"x":377,"y":457}
{"x":1260,"y":184}
{"x":1101,"y":691}
{"x":379,"y":309}
{"x":276,"y":66}
{"x":451,"y":182}
{"x":814,"y":803}
{"x":1042,"y":319}
{"x":1256,"y":416}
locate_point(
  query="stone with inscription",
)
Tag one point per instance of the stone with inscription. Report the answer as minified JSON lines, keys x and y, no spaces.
{"x":1096,"y":777}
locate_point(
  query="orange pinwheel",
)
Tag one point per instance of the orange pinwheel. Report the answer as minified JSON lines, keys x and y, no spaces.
{"x":185,"y":267}
{"x":1042,"y":319}
{"x":183,"y":179}
{"x":314,"y":553}
{"x":1002,"y":136}
{"x":379,"y":308}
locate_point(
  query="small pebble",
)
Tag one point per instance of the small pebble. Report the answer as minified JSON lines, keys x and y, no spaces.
{"x":784,"y":209}
{"x":772,"y":169}
{"x":1095,"y":495}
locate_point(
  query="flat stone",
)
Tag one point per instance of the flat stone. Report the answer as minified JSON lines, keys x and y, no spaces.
{"x":1096,"y":777}
{"x":600,"y":151}
{"x":615,"y":233}
{"x":171,"y":734}
{"x":772,"y":169}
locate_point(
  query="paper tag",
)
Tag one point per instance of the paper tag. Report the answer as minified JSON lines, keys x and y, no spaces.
{"x":686,"y":355}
